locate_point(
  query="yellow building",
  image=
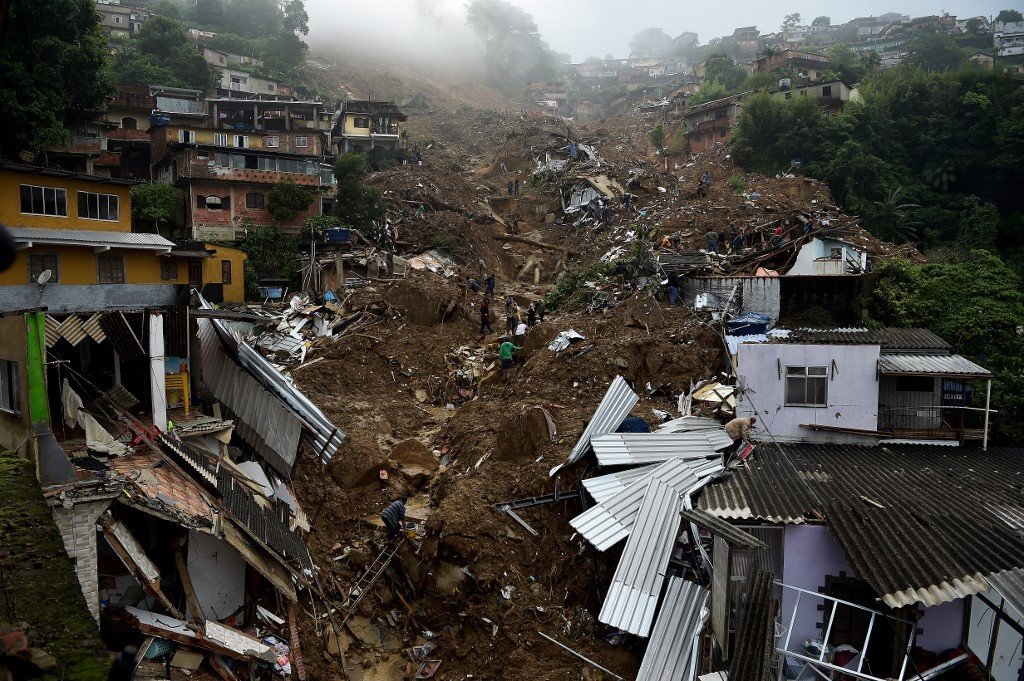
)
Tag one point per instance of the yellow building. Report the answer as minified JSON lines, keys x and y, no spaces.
{"x":78,"y":229}
{"x":215,"y":270}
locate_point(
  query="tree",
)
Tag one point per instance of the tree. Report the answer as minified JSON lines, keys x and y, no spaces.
{"x":657,"y":137}
{"x":845,"y":64}
{"x":296,"y":19}
{"x":156,"y":203}
{"x":1009,"y":16}
{"x":209,"y":13}
{"x":162,"y":54}
{"x":253,"y":18}
{"x":979,"y":225}
{"x":685,"y":43}
{"x":271,"y":255}
{"x":975,"y":25}
{"x":933,"y":51}
{"x":51,"y":59}
{"x":358,"y":204}
{"x":512,"y":44}
{"x":770,"y":51}
{"x":721,"y":67}
{"x":286,"y":200}
{"x":708,"y":91}
{"x":650,"y":42}
{"x":821,"y":22}
{"x":891,"y":220}
{"x":283,"y":54}
{"x":791,"y":20}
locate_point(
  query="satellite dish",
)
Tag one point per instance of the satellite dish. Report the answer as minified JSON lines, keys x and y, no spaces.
{"x":44,"y":277}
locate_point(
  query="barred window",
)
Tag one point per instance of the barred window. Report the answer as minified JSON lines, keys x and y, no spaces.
{"x":110,"y":269}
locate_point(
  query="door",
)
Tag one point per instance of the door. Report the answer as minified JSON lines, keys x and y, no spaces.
{"x":195,"y":273}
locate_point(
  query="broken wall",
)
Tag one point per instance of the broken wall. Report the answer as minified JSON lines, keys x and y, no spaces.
{"x":840,"y":296}
{"x":753,"y":294}
{"x":77,"y":527}
{"x":217,"y":571}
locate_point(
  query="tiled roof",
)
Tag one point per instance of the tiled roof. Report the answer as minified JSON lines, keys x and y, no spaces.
{"x":920,"y":523}
{"x":90,"y":237}
{"x":164,"y":488}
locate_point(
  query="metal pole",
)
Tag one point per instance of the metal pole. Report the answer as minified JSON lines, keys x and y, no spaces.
{"x":867,"y":640}
{"x":587,"y":660}
{"x":910,"y":646}
{"x":828,"y":631}
{"x":988,"y":400}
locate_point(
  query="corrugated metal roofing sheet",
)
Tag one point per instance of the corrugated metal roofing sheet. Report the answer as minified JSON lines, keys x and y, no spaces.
{"x":72,"y":330}
{"x":670,"y":654}
{"x":90,"y":237}
{"x":261,"y":419}
{"x":943,"y":365}
{"x":93,"y":328}
{"x":640,"y":574}
{"x":1010,"y":585}
{"x":321,"y":434}
{"x":721,"y":528}
{"x":615,"y":449}
{"x":615,"y":406}
{"x":915,"y":521}
{"x":889,"y":339}
{"x":52,"y":330}
{"x":604,"y":487}
{"x":609,"y":522}
{"x":688,"y":423}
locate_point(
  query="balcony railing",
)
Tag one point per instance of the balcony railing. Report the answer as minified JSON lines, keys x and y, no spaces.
{"x":384,"y":130}
{"x":932,"y":422}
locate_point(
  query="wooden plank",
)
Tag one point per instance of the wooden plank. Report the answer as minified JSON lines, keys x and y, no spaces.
{"x":297,"y":665}
{"x":151,"y":586}
{"x":186,"y":585}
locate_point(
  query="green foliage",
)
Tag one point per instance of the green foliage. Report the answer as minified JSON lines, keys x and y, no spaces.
{"x":737,"y":184}
{"x":209,"y":14}
{"x":975,"y":303}
{"x":1009,"y":15}
{"x":271,"y":255}
{"x":513,"y":49}
{"x":822,"y":22}
{"x":295,"y":19}
{"x":162,"y":54}
{"x":286,"y":200}
{"x":722,"y":68}
{"x":657,"y":137}
{"x":236,"y":44}
{"x":892,"y":219}
{"x":253,"y":18}
{"x":358,"y":204}
{"x":446,"y":241}
{"x":845,"y":64}
{"x":51,"y":60}
{"x":978,"y":226}
{"x":708,"y":91}
{"x":572,"y":281}
{"x":942,"y":137}
{"x":931,"y":51}
{"x":156,"y":203}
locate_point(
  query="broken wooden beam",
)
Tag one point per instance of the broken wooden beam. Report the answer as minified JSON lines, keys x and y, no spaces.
{"x":186,"y":585}
{"x":532,"y":242}
{"x":135,"y":559}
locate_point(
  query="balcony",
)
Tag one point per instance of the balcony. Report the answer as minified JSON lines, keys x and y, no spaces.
{"x":384,"y":130}
{"x":932,"y":422}
{"x":199,"y":170}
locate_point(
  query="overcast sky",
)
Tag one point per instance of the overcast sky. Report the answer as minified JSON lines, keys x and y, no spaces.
{"x":586,"y":28}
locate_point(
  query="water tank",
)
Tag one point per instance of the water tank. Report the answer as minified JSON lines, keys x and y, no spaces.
{"x":156,"y":119}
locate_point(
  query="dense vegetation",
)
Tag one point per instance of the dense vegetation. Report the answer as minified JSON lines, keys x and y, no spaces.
{"x":50,"y":54}
{"x":514,"y":52}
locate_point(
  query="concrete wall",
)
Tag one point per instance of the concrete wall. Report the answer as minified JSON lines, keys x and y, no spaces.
{"x":78,"y":265}
{"x":852,"y":389}
{"x":234,"y":291}
{"x":218,"y":574}
{"x":755,"y":294}
{"x":942,"y":626}
{"x":822,"y":248}
{"x":77,"y":527}
{"x":71,"y":298}
{"x":811,"y":554}
{"x":14,"y":428}
{"x":10,"y":203}
{"x":224,"y":221}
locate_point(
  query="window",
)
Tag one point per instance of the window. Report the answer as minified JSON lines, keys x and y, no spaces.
{"x":273,"y":142}
{"x":806,"y":386}
{"x":220,"y":139}
{"x":270,"y":87}
{"x":39,"y":263}
{"x":302,"y":141}
{"x":213,"y":203}
{"x":118,"y":19}
{"x":110,"y":269}
{"x":97,"y":206}
{"x":10,"y":387}
{"x":225,"y":271}
{"x":242,"y":141}
{"x":187,"y":136}
{"x":168,"y":270}
{"x":44,"y":201}
{"x":255,"y":200}
{"x":826,"y":91}
{"x":200,"y":201}
{"x":130,"y":123}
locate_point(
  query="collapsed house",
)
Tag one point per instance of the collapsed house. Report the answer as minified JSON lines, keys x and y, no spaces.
{"x":182,"y":526}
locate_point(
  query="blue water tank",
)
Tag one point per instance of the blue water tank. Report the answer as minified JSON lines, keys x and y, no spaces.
{"x":159,"y":119}
{"x":337,"y":235}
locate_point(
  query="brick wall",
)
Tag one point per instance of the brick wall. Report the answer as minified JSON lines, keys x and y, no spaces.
{"x":204,"y":218}
{"x":77,"y":527}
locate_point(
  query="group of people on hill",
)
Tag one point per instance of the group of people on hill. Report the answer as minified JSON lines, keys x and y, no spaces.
{"x":517,"y":323}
